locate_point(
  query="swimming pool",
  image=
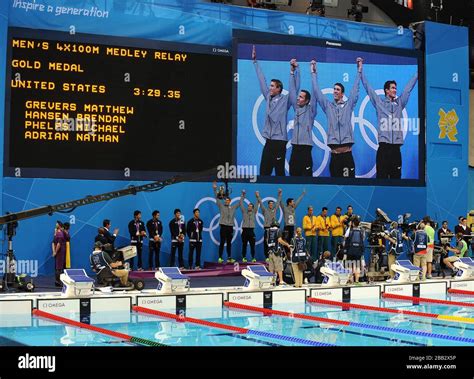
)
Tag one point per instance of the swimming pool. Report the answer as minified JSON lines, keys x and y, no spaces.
{"x":323,"y":326}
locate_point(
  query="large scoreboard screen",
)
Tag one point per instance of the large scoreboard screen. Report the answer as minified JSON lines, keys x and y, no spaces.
{"x":88,"y":106}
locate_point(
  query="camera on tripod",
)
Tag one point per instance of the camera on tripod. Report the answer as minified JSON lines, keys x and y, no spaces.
{"x":357,"y":10}
{"x":377,"y":228}
{"x":223,"y":190}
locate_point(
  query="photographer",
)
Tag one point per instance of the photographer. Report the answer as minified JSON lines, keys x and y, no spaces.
{"x":459,"y":252}
{"x":103,"y":265}
{"x":464,"y":229}
{"x":298,"y":257}
{"x":395,"y":238}
{"x":276,"y":244}
{"x":354,"y":248}
{"x":429,"y":251}
{"x":420,"y":245}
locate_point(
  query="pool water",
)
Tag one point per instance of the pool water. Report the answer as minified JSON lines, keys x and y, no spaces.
{"x":367,"y":328}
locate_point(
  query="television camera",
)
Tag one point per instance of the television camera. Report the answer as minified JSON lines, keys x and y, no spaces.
{"x":377,"y":270}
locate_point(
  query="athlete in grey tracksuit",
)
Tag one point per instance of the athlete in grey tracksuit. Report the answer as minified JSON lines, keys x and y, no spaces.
{"x":269,"y":217}
{"x":226,"y":223}
{"x":274,"y":130}
{"x":339,"y":114}
{"x":248,"y":230}
{"x":301,"y":161}
{"x":390,"y":120}
{"x":289,"y":214}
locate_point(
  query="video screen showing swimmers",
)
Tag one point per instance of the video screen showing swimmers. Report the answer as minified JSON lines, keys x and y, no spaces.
{"x":327,"y":112}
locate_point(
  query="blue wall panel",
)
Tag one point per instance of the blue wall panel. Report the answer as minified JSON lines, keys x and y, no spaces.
{"x":447,"y":160}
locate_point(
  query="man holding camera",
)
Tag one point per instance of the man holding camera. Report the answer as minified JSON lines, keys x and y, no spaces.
{"x":298,"y":257}
{"x":354,"y":247}
{"x":420,"y":245}
{"x":103,"y":265}
{"x":429,"y":251}
{"x":395,"y":238}
{"x":459,"y":252}
{"x":276,"y":244}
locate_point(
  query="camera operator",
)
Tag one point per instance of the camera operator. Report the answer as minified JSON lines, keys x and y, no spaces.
{"x":395,"y":238}
{"x":444,"y":242}
{"x":104,"y":266}
{"x":276,"y":244}
{"x":420,"y":245}
{"x":462,"y":228}
{"x":298,"y":257}
{"x":429,"y":251}
{"x":459,"y":251}
{"x":354,"y":248}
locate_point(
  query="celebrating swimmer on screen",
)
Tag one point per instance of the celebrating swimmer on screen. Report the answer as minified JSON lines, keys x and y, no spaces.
{"x":276,"y":115}
{"x":301,"y":161}
{"x":390,"y":133}
{"x":340,"y":132}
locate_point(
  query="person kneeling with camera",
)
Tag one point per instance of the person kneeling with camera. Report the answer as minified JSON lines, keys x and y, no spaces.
{"x":459,"y":252}
{"x":298,"y":257}
{"x":105,"y":268}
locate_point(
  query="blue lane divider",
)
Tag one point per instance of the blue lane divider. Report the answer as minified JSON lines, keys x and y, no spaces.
{"x":287,"y":338}
{"x":412,"y":332}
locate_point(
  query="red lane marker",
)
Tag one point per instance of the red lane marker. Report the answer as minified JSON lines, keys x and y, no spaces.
{"x":370,"y":308}
{"x":461,"y":292}
{"x":268,"y":312}
{"x":78,"y":324}
{"x":183,"y":318}
{"x":426,"y":300}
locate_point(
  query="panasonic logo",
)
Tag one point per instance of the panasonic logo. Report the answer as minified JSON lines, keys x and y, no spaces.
{"x":333,"y":44}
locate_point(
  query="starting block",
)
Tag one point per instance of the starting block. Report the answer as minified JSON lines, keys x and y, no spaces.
{"x":465,"y":268}
{"x":76,"y":283}
{"x":335,"y":274}
{"x":405,"y":271}
{"x":258,"y":277}
{"x":170,"y":280}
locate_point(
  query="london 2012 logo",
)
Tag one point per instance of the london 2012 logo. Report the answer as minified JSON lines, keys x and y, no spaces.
{"x":214,"y":224}
{"x":447,"y":123}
